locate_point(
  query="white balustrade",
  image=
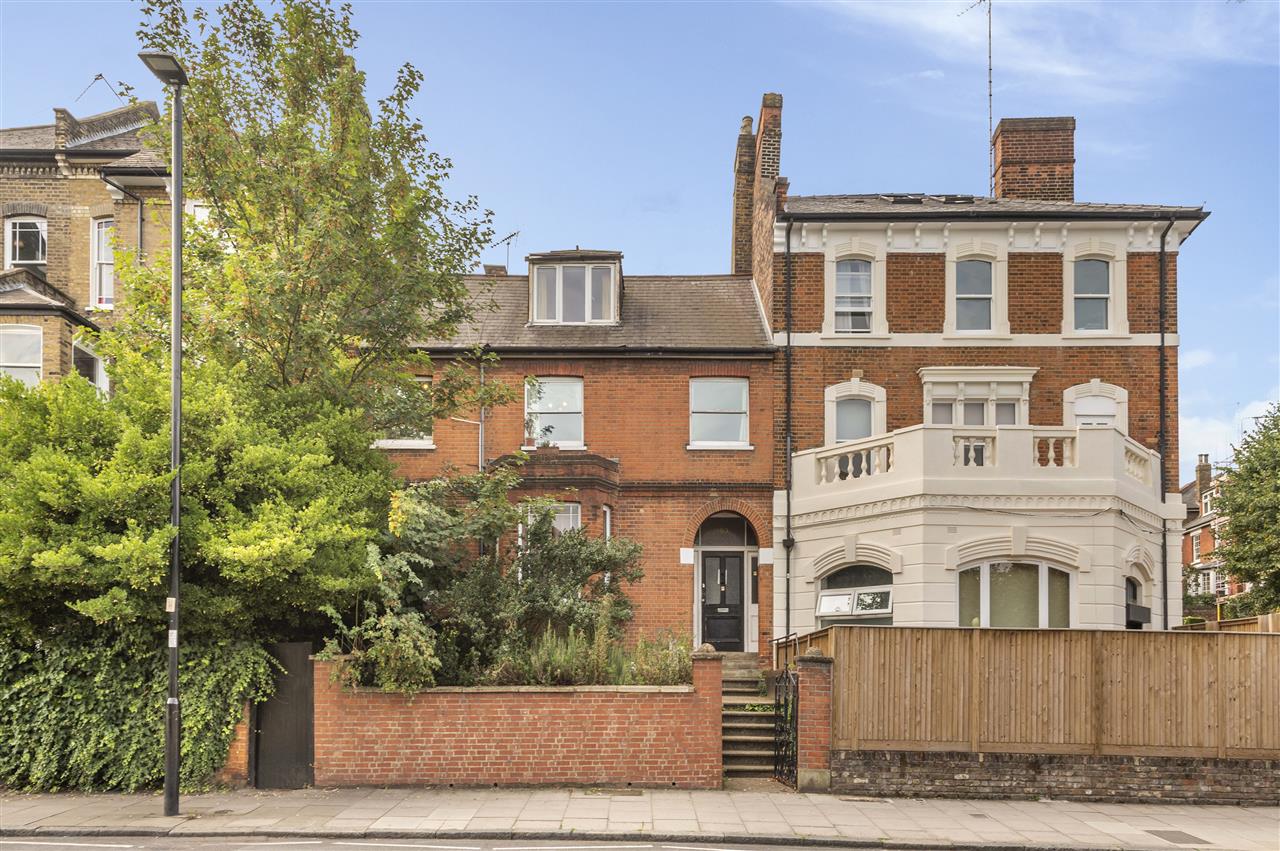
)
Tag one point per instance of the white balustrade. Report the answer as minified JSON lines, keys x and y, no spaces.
{"x":854,"y":460}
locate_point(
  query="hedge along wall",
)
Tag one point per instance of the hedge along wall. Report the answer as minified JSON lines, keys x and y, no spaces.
{"x":524,"y":735}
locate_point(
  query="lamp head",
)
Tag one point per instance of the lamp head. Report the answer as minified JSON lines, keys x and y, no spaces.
{"x":165,"y":66}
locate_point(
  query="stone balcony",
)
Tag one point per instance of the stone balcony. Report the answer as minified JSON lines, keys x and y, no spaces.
{"x":1022,"y":461}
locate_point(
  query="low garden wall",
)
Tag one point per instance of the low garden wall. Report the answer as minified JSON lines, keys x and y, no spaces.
{"x":521,"y":735}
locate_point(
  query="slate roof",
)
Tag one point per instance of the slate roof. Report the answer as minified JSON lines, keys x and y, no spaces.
{"x":658,"y":313}
{"x":113,"y":130}
{"x":144,"y":160}
{"x":22,"y":290}
{"x":908,"y":205}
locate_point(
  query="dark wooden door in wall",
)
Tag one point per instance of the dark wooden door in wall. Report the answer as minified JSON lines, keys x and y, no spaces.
{"x":722,"y":601}
{"x":285,"y":750}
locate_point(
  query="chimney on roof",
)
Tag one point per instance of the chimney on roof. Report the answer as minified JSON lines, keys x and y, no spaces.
{"x":65,"y":127}
{"x":1035,"y":159}
{"x":492,"y":270}
{"x":1204,"y":475}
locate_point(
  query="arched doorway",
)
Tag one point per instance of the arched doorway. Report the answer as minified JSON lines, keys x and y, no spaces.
{"x":727,"y":588}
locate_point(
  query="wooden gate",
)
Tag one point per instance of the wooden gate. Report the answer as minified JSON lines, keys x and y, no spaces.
{"x":285,"y":749}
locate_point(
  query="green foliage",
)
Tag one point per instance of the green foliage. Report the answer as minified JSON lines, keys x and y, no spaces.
{"x":331,"y":246}
{"x":580,"y":658}
{"x":662,"y":661}
{"x":490,"y":578}
{"x":1249,"y":500}
{"x":86,"y":716}
{"x":275,"y":515}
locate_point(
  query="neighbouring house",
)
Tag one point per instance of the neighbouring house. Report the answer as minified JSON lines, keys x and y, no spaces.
{"x":1202,"y":570}
{"x":977,"y":408}
{"x":908,"y":409}
{"x":70,"y":193}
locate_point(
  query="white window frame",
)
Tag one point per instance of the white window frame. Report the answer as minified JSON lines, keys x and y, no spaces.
{"x":1096,"y":388}
{"x":873,"y":253}
{"x":96,"y":264}
{"x":854,"y":388}
{"x":607,"y":521}
{"x":588,"y":266}
{"x":984,"y":593}
{"x":869,"y":295}
{"x":99,"y":379}
{"x":1083,"y":246}
{"x":427,"y":441}
{"x":533,"y":441}
{"x":570,"y":510}
{"x":746,"y":415}
{"x":852,"y":594}
{"x":997,"y":254}
{"x":991,"y":385}
{"x":1195,"y":546}
{"x":9,"y":222}
{"x":39,"y":364}
{"x":989,"y":297}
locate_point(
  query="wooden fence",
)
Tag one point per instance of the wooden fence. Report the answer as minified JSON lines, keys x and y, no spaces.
{"x":1051,"y":691}
{"x":1253,"y":623}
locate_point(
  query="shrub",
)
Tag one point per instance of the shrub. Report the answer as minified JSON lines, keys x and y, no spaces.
{"x":663,"y":661}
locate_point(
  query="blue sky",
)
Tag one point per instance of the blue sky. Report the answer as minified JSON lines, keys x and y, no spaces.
{"x":612,"y":126}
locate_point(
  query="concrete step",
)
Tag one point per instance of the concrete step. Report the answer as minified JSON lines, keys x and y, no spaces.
{"x":748,"y":771}
{"x":747,"y":728}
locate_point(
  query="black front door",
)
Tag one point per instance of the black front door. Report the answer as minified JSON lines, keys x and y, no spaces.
{"x":722,"y":607}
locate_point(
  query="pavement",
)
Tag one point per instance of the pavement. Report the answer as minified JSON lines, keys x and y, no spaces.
{"x":762,"y":813}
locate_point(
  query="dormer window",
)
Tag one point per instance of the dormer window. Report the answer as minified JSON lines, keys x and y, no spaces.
{"x":574,"y":293}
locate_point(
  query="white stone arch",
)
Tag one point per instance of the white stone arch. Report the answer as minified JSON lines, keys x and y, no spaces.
{"x":855,"y":550}
{"x":1015,"y":544}
{"x":856,"y":249}
{"x":995,"y":253}
{"x":1093,"y":398}
{"x":1085,"y":247}
{"x":854,"y":388}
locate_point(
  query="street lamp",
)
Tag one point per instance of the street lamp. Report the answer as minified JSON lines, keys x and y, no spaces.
{"x":169,"y":70}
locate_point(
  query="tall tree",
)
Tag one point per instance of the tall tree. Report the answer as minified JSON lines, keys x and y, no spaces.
{"x":331,"y":246}
{"x":1249,"y":499}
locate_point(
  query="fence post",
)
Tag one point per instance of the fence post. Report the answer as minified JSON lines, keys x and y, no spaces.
{"x":813,"y":729}
{"x":976,"y":671}
{"x":708,"y":685}
{"x":1098,"y":675}
{"x":1220,"y":680}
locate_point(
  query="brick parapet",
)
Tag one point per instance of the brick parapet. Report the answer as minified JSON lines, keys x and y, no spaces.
{"x":813,"y":737}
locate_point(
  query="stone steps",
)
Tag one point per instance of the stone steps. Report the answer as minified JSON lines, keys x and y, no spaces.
{"x":746,"y":737}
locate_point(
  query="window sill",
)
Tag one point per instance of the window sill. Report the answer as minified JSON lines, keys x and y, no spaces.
{"x":720,"y":447}
{"x":835,"y":335}
{"x":976,"y":335}
{"x":403,"y":443}
{"x":575,"y":447}
{"x":546,"y":323}
{"x":1095,"y":335}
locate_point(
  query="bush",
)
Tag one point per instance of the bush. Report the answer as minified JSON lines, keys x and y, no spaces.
{"x":663,"y":661}
{"x":74,"y":715}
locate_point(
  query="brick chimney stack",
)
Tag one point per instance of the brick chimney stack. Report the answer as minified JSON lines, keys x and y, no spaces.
{"x":1204,"y":475}
{"x":744,"y":180}
{"x":1035,"y":159}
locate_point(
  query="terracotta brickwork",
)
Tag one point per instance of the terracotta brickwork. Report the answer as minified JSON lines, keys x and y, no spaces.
{"x":58,"y":336}
{"x":915,"y":286}
{"x":1035,"y":159}
{"x":642,"y":736}
{"x":1035,"y":293}
{"x":1144,"y":292}
{"x":636,"y":430}
{"x":1133,"y":367}
{"x":808,"y":293}
{"x":813,"y":736}
{"x":235,"y":771}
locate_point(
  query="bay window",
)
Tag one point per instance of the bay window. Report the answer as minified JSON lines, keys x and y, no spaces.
{"x":21,"y":349}
{"x":1015,"y":595}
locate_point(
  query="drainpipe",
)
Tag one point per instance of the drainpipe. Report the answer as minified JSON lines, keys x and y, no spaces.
{"x":480,"y":441}
{"x":136,"y":199}
{"x":1162,"y":440}
{"x":788,"y":543}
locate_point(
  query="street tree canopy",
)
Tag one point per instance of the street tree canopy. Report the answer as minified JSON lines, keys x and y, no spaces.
{"x":1249,"y":500}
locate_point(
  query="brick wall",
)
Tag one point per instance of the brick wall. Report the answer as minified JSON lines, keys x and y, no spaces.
{"x":813,"y":729}
{"x":235,"y":771}
{"x":643,"y":736}
{"x":1035,"y":293}
{"x":808,"y":295}
{"x":1144,"y":292}
{"x":1035,"y":158}
{"x":1121,"y":779}
{"x":57,"y":338}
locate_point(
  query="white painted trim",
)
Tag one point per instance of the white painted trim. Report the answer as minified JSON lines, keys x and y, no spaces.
{"x":997,"y":254}
{"x":746,"y":414}
{"x":404,"y":443}
{"x":615,"y":276}
{"x":747,"y":627}
{"x":1090,"y":247}
{"x":873,"y":251}
{"x":100,"y":379}
{"x":934,"y":340}
{"x":687,"y":555}
{"x":9,"y":262}
{"x":1096,"y":387}
{"x":1042,"y":614}
{"x":987,"y":384}
{"x":854,"y":388}
{"x":562,"y":444}
{"x":95,"y":261}
{"x":766,"y":555}
{"x":720,"y":447}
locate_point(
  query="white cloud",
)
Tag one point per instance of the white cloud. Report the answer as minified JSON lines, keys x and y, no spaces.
{"x":1193,"y":358}
{"x":1215,"y":434}
{"x":1100,"y":51}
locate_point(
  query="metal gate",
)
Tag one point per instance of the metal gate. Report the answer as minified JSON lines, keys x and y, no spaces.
{"x":786,"y":717}
{"x":284,"y":729}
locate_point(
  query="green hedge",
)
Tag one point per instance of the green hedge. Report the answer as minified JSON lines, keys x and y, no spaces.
{"x":87,"y":717}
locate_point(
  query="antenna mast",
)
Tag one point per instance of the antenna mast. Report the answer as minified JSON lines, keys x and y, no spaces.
{"x":991,"y":147}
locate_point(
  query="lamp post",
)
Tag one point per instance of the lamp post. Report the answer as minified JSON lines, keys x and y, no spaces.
{"x":169,"y":70}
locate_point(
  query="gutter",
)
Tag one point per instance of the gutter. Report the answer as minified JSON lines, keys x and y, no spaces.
{"x":1162,"y":441}
{"x":45,"y":310}
{"x":788,"y":542}
{"x":136,"y":199}
{"x":911,"y":213}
